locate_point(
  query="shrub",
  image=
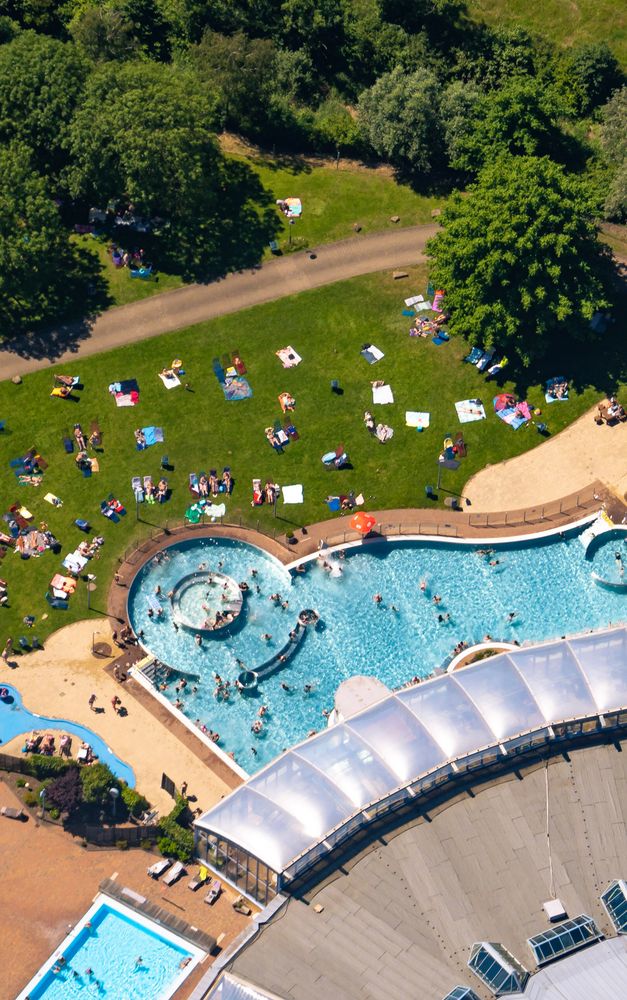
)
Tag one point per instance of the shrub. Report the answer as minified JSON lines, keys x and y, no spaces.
{"x":20,"y":782}
{"x":145,"y":844}
{"x":134,"y":802}
{"x":96,"y":781}
{"x":30,"y":799}
{"x":66,"y":792}
{"x":41,"y":766}
{"x":54,"y":813}
{"x":122,"y":845}
{"x":178,"y":841}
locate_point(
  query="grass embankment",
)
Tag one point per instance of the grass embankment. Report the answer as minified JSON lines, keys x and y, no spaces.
{"x":566,"y":22}
{"x":202,"y":430}
{"x":334,"y":200}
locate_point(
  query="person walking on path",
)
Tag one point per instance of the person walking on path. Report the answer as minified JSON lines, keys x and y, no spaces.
{"x":92,"y":700}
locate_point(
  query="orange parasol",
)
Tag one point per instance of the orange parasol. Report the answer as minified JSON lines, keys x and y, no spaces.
{"x":362,"y":522}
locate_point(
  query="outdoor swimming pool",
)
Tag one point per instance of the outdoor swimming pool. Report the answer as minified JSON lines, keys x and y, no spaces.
{"x":16,"y":720}
{"x":547,"y":583}
{"x":101,"y":960}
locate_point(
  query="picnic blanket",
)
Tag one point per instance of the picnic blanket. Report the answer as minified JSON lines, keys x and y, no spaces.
{"x":288,"y":357}
{"x":413,"y":300}
{"x":511,"y":412}
{"x":152,"y":435}
{"x":469,"y":410}
{"x":75,"y":562}
{"x":417,"y":418}
{"x":382,"y":394}
{"x":293,"y":494}
{"x":51,"y":498}
{"x":126,"y":393}
{"x":294,"y":207}
{"x":551,"y":383}
{"x":236,"y":388}
{"x":371,"y":353}
{"x":170,"y":381}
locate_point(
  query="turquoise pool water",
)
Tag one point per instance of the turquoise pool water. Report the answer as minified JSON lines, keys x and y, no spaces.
{"x":547,"y":584}
{"x":16,"y":720}
{"x":110,"y":949}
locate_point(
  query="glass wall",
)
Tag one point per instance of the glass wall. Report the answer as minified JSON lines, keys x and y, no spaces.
{"x":239,"y":868}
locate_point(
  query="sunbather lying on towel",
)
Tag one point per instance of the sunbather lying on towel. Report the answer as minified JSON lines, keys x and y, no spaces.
{"x":369,"y":421}
{"x":140,"y":437}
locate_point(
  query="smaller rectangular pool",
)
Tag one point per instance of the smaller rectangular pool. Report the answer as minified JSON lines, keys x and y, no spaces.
{"x":116,"y":953}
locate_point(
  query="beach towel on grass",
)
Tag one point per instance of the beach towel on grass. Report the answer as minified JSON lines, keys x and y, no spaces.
{"x":558,"y":380}
{"x":413,"y":299}
{"x":469,"y":410}
{"x":51,"y":498}
{"x":511,"y":416}
{"x":237,"y":388}
{"x":382,"y":394}
{"x":416,"y":418}
{"x":126,"y":393}
{"x":423,"y":306}
{"x":170,"y":381}
{"x":371,"y":353}
{"x":292,"y":494}
{"x":153,"y":435}
{"x":288,"y":357}
{"x":474,"y":356}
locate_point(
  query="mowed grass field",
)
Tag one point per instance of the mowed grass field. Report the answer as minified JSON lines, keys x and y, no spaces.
{"x":566,"y":22}
{"x":327,"y":327}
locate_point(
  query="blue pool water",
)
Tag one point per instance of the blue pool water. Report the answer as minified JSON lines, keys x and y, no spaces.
{"x":16,"y":720}
{"x":547,"y":583}
{"x":110,"y":949}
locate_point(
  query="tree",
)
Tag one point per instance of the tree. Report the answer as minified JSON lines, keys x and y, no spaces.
{"x":588,"y":76}
{"x":41,"y":81}
{"x":66,"y":792}
{"x":142,"y":137}
{"x":40,"y":272}
{"x":96,"y":780}
{"x":241,"y":72}
{"x":519,"y":258}
{"x":516,"y":119}
{"x":460,"y":110}
{"x":104,"y":33}
{"x":399,"y":116}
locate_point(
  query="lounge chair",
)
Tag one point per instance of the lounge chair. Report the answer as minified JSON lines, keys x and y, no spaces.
{"x":214,"y":892}
{"x":159,"y":867}
{"x":257,"y":499}
{"x":198,"y":879}
{"x":12,"y":813}
{"x":82,"y":524}
{"x":193,"y":483}
{"x":241,"y":906}
{"x":175,"y":873}
{"x":68,"y":443}
{"x":137,"y":488}
{"x":238,"y":364}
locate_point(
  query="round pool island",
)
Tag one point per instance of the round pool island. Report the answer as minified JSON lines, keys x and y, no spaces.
{"x":207,"y":603}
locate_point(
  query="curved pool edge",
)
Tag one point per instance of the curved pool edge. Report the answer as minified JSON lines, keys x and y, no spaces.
{"x":78,"y":730}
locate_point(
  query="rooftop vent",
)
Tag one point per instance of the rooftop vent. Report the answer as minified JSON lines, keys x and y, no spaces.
{"x":499,"y":970}
{"x":569,"y":936}
{"x":614,"y":900}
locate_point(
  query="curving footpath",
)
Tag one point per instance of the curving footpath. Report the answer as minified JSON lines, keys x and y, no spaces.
{"x":272,"y":280}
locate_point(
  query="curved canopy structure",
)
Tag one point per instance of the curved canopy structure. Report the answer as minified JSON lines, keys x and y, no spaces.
{"x":307,"y":800}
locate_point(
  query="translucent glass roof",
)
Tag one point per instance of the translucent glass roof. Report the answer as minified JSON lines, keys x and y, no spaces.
{"x":566,"y":937}
{"x":461,"y":993}
{"x":499,"y":970}
{"x":303,"y":795}
{"x":614,"y":900}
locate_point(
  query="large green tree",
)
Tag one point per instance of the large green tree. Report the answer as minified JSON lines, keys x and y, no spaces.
{"x":142,"y":137}
{"x":41,"y":81}
{"x":399,"y":117}
{"x":241,"y":72}
{"x":519,"y":258}
{"x":40,"y":273}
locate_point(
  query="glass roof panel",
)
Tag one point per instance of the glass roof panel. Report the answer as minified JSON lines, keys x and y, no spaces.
{"x":449,"y":715}
{"x":350,"y":764}
{"x":461,"y":993}
{"x":614,"y":900}
{"x":305,"y":792}
{"x":603,"y":659}
{"x":501,"y":695}
{"x":556,"y":681}
{"x":566,"y":937}
{"x":259,"y":826}
{"x":399,"y":739}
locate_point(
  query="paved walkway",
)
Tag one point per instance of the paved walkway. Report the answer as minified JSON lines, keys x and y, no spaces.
{"x":563,"y":464}
{"x":183,"y":307}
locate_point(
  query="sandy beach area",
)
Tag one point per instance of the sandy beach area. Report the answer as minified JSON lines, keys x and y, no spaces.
{"x":562,"y":465}
{"x":58,"y":681}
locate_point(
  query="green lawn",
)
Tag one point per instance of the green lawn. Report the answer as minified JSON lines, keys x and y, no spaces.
{"x":334,"y":200}
{"x":566,"y":22}
{"x":120,"y":286}
{"x":202,"y":430}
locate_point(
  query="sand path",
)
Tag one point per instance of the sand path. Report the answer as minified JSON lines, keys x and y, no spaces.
{"x":563,"y":465}
{"x":58,"y":681}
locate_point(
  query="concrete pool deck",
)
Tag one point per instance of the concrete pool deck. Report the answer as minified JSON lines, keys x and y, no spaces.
{"x":58,"y":681}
